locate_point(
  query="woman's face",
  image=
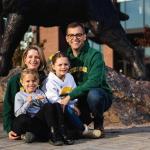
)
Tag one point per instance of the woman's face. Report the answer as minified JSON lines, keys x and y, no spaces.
{"x":32,"y":60}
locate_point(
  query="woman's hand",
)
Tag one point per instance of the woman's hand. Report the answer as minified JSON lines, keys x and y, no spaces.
{"x":13,"y":136}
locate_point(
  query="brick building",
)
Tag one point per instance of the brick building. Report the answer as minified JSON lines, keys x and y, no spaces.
{"x":55,"y":41}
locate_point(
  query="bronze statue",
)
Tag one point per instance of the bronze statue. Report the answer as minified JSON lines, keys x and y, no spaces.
{"x":100,"y":15}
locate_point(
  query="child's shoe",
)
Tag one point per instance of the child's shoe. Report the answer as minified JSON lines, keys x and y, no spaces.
{"x":56,"y":139}
{"x":65,"y":137}
{"x":67,"y":140}
{"x":55,"y":142}
{"x":28,"y":137}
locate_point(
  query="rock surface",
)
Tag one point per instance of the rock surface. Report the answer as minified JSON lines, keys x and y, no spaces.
{"x":131,"y":103}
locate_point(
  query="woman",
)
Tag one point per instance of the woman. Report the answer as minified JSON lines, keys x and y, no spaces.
{"x":33,"y":58}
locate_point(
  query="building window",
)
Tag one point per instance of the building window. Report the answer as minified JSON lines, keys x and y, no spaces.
{"x":147,"y":12}
{"x":123,"y":9}
{"x":135,"y":11}
{"x":138,"y":11}
{"x":95,"y":45}
{"x":147,"y":51}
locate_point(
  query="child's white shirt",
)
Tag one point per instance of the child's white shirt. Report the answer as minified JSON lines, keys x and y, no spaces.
{"x":54,"y":87}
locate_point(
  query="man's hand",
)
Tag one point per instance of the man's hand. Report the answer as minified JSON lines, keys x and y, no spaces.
{"x":13,"y":136}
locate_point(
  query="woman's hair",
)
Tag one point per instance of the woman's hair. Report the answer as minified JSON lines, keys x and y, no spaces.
{"x":26,"y":71}
{"x":42,"y":66}
{"x":54,"y":58}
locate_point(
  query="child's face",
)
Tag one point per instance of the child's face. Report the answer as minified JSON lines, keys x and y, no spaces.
{"x":61,"y":67}
{"x":30,"y":83}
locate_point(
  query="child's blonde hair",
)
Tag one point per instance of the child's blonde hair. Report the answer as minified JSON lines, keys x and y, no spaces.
{"x":29,"y":71}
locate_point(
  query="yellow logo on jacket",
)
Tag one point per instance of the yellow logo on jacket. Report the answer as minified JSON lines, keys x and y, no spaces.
{"x":65,"y":90}
{"x":78,"y":69}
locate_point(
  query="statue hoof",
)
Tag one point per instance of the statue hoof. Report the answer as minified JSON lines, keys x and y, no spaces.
{"x":5,"y":65}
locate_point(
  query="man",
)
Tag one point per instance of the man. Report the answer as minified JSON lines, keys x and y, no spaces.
{"x":88,"y":69}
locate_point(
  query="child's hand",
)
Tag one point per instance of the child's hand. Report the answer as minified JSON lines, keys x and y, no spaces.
{"x":40,"y":97}
{"x":77,"y":111}
{"x":64,"y":101}
{"x":29,"y":99}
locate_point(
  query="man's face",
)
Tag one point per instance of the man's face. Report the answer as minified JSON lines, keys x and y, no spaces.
{"x":75,"y":37}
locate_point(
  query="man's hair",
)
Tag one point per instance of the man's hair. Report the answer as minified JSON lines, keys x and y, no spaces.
{"x":42,"y":66}
{"x":74,"y":25}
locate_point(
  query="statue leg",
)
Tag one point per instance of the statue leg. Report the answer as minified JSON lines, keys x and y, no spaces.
{"x":115,"y":37}
{"x":1,"y":29}
{"x":15,"y":28}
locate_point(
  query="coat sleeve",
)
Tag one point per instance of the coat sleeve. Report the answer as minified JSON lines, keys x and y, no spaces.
{"x":8,"y":107}
{"x":96,"y":74}
{"x":72,"y":103}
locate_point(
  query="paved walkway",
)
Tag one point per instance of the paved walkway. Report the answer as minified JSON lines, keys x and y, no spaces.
{"x":131,"y":138}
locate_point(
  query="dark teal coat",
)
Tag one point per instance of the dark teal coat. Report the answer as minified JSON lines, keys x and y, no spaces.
{"x":88,"y":70}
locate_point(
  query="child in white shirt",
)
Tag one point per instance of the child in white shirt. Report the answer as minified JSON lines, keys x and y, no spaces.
{"x":57,"y":85}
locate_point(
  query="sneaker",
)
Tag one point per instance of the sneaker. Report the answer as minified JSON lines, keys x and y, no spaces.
{"x":65,"y":138}
{"x":67,"y":141}
{"x":102,"y":132}
{"x":56,"y":142}
{"x":99,"y":126}
{"x":55,"y":139}
{"x":28,"y":137}
{"x":91,"y":133}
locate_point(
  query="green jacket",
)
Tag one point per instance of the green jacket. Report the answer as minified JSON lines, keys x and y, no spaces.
{"x":13,"y":86}
{"x":88,"y":70}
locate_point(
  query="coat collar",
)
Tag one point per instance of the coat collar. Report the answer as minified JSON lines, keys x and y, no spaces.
{"x":82,"y":50}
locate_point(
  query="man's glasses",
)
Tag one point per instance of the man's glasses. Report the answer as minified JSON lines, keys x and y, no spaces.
{"x":78,"y":35}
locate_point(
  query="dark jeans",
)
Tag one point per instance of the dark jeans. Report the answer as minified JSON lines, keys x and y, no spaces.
{"x":97,"y":101}
{"x":50,"y":115}
{"x":40,"y":124}
{"x":68,"y":117}
{"x":73,"y":120}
